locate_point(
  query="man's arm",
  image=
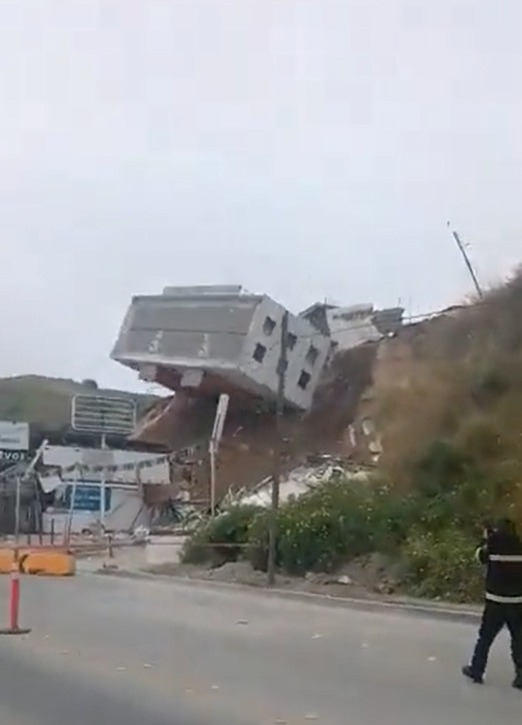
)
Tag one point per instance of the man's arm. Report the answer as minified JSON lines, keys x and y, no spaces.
{"x":482,"y":553}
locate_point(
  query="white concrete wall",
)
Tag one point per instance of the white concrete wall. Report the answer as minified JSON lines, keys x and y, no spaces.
{"x":164,"y":549}
{"x":127,"y":511}
{"x":265,"y":372}
{"x":352,"y":326}
{"x":64,"y":456}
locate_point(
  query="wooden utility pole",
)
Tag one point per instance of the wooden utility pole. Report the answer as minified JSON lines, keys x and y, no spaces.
{"x":276,"y":478}
{"x":468,"y":264}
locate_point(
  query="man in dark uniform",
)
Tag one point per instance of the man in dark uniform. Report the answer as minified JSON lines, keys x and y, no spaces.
{"x":501,"y":553}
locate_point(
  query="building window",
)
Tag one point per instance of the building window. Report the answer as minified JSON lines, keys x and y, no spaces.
{"x":304,"y":379}
{"x":259,"y":353}
{"x":269,"y":325}
{"x":291,"y":340}
{"x":312,"y":355}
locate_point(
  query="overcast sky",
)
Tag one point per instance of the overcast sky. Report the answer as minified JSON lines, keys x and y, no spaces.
{"x":304,"y":148}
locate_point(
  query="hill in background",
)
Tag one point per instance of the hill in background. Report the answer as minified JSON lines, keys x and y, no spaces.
{"x":45,"y":403}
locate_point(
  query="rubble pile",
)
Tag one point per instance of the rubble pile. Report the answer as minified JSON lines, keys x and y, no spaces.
{"x":296,"y":482}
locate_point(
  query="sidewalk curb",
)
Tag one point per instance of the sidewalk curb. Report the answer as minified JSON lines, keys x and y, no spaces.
{"x":428,"y":610}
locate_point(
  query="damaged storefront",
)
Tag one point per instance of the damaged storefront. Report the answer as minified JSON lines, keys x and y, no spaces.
{"x":82,"y":494}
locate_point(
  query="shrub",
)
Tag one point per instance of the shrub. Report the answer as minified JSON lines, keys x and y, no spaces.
{"x":221,"y":539}
{"x":443,"y":566}
{"x":440,"y":467}
{"x":338,"y":520}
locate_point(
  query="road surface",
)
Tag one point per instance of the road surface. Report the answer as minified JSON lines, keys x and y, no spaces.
{"x":119,"y":651}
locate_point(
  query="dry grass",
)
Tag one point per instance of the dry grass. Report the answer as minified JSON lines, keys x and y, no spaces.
{"x":458,"y":379}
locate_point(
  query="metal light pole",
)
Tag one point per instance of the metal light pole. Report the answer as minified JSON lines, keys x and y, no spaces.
{"x":272,"y":531}
{"x":17,"y":514}
{"x":467,"y":262}
{"x":103,"y":483}
{"x":213,"y":446}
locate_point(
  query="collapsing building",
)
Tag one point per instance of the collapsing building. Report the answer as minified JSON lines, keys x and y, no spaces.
{"x":349,"y":327}
{"x":201,"y":342}
{"x":219,"y":339}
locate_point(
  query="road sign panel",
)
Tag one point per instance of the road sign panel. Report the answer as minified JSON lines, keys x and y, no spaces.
{"x":14,"y":436}
{"x":87,"y":498}
{"x":101,"y":414}
{"x":219,"y":421}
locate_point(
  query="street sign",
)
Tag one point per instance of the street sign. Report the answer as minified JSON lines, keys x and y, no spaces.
{"x":87,"y":498}
{"x":101,"y":414}
{"x":13,"y":456}
{"x":14,"y":443}
{"x":219,"y":420}
{"x":14,"y":436}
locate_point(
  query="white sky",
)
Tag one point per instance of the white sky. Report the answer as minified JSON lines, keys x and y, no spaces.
{"x":304,"y":148}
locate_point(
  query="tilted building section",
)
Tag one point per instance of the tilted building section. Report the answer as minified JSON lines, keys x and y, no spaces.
{"x":220,"y":339}
{"x":351,"y":326}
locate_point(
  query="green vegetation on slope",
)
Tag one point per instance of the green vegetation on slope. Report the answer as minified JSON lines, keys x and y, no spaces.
{"x":459,"y":420}
{"x":341,"y":520}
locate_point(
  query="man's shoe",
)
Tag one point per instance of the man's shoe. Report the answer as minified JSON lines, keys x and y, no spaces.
{"x":468,"y":672}
{"x":517,"y":682}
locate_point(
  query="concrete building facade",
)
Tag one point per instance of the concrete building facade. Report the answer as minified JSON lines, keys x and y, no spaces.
{"x":217,"y":339}
{"x":351,"y":326}
{"x":125,"y":508}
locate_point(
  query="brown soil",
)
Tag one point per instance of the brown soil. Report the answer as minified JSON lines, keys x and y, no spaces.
{"x":250,"y":438}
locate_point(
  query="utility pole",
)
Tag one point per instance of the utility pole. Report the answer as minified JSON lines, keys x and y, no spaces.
{"x":468,"y":264}
{"x":276,"y":477}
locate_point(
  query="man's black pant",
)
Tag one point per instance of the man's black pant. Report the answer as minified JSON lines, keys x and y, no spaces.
{"x":495,"y":617}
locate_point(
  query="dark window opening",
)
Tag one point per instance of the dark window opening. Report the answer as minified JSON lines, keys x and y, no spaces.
{"x":291,"y":340}
{"x":312,"y":355}
{"x":269,"y":325}
{"x":259,"y":352}
{"x":304,"y":379}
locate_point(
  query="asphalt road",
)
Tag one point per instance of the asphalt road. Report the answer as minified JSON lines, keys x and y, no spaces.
{"x":126,"y":652}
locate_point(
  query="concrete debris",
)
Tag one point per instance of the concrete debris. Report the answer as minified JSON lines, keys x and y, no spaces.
{"x":344,"y":579}
{"x":296,"y":483}
{"x":237,"y":571}
{"x":141,"y":533}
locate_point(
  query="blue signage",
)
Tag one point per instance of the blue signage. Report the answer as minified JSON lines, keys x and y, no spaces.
{"x":87,"y":498}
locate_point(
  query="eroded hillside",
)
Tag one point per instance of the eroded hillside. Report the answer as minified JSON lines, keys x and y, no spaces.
{"x":445,"y":393}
